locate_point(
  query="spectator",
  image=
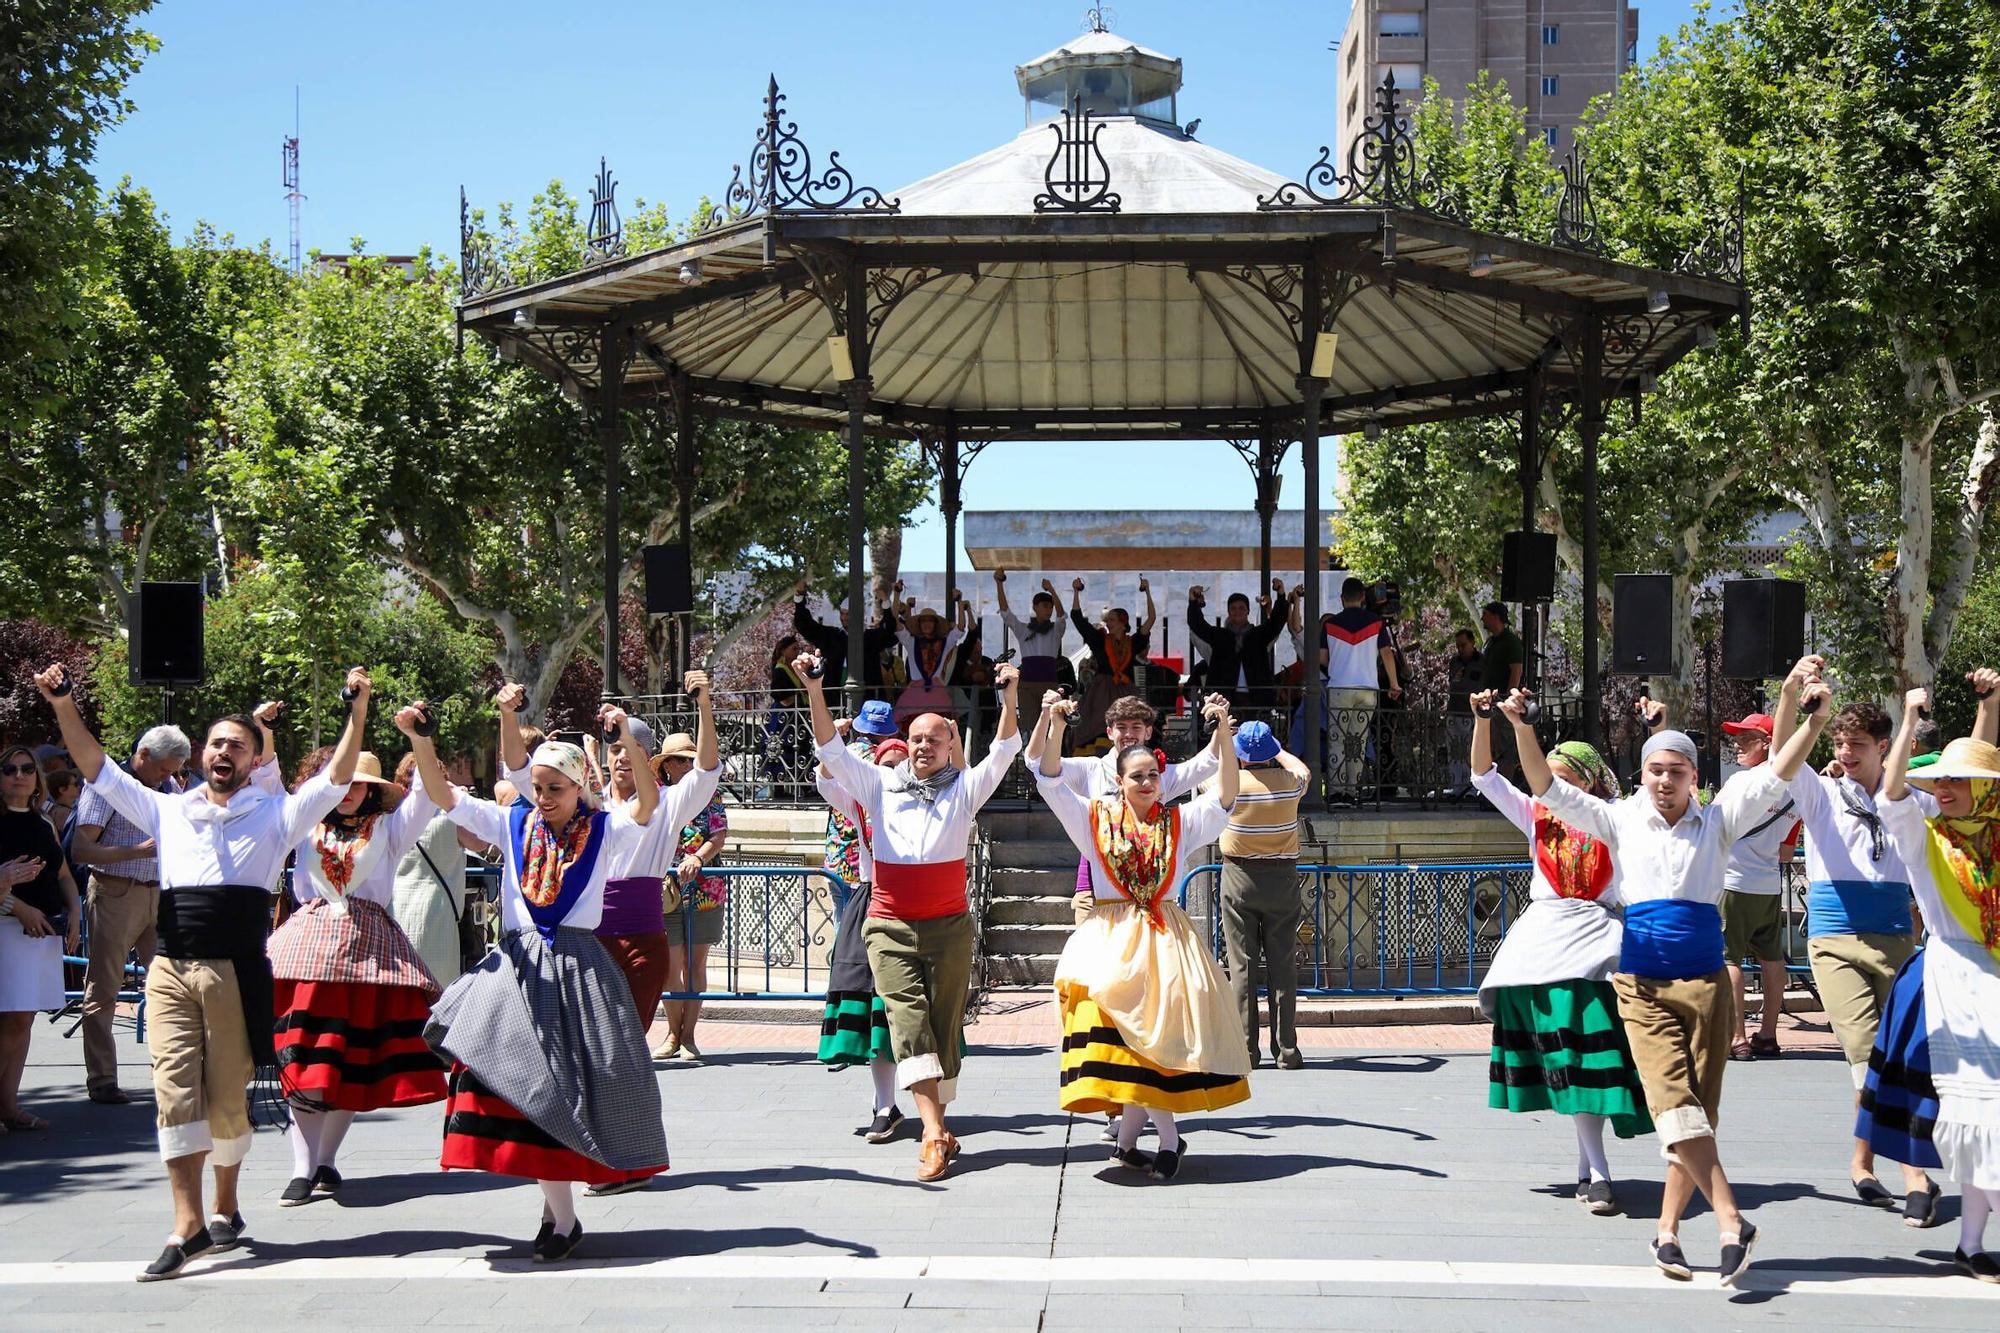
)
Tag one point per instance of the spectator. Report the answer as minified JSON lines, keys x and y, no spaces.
{"x":929,"y":648}
{"x":830,"y":641}
{"x":695,"y":925}
{"x":1502,"y":667}
{"x":1239,"y":653}
{"x":65,"y":785}
{"x":1462,"y":675}
{"x":1260,"y":888}
{"x":429,"y":896}
{"x":1386,"y":600}
{"x":39,"y":921}
{"x":124,"y":903}
{"x":785,"y":754}
{"x":1039,"y":637}
{"x":1927,"y":739}
{"x":972,"y":690}
{"x":1355,"y":658}
{"x":50,"y":759}
{"x":1115,"y":655}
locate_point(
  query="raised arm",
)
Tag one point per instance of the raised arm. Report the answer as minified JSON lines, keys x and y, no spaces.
{"x":1481,"y":704}
{"x":1152,"y":611}
{"x":1817,"y":699}
{"x":340,"y":768}
{"x":1805,"y":671}
{"x":1985,"y":684}
{"x":1007,"y":678}
{"x":1216,"y":714}
{"x":1054,"y":722}
{"x":810,"y":671}
{"x":646,"y":794}
{"x":1000,"y":594}
{"x":707,"y":749}
{"x":84,"y":751}
{"x":511,"y":699}
{"x":1896,"y":769}
{"x":1197,"y":621}
{"x":265,"y":715}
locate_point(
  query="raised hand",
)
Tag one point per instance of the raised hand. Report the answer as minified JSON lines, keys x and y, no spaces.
{"x":1076,"y":585}
{"x":1918,"y":699}
{"x":1197,"y":596}
{"x":1006,"y":676}
{"x":695,"y":684}
{"x":813,"y":670}
{"x":358,"y":687}
{"x":407,"y":718}
{"x":1048,"y":587}
{"x":999,"y":576}
{"x":1652,"y":712}
{"x":1515,"y":706}
{"x":1806,"y":670}
{"x":1215,"y":710}
{"x":1144,"y":586}
{"x":267,"y":712}
{"x":1815,"y":698}
{"x":1984,"y":681}
{"x":511,"y":697}
{"x":52,"y":681}
{"x":611,"y":719}
{"x":1482,"y":702}
{"x":1277,"y":586}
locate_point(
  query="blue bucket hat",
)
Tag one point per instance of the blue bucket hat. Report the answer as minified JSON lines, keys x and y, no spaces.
{"x":1255,"y":744}
{"x":876,"y":718}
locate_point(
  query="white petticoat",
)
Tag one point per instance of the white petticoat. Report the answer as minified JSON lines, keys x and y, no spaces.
{"x":1962,"y":1017}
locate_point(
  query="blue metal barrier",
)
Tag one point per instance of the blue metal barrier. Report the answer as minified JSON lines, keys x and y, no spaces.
{"x":777,"y":933}
{"x":1388,"y":929}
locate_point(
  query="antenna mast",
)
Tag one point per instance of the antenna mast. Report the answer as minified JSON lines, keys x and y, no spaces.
{"x":292,"y":196}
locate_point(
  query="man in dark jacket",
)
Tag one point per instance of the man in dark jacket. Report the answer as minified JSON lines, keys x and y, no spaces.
{"x":1239,"y":653}
{"x":830,"y":641}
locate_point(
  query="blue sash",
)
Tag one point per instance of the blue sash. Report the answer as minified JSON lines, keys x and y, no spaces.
{"x":1857,"y":907}
{"x":1672,"y":939}
{"x":575,"y":879}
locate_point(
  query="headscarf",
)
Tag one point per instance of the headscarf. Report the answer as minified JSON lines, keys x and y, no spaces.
{"x":567,"y":760}
{"x":1965,"y":862}
{"x":1582,"y":758}
{"x":1674,"y":742}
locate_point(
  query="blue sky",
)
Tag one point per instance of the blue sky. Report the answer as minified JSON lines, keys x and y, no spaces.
{"x":403,"y":102}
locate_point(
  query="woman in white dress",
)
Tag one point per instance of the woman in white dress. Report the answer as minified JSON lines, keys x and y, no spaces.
{"x":39,"y":919}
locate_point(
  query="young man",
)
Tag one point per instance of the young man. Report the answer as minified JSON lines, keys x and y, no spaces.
{"x":220,"y":849}
{"x":124,"y":903}
{"x":1239,"y":653}
{"x":1260,"y":888}
{"x":1356,"y":658}
{"x":830,"y":641}
{"x":1038,"y":639}
{"x":1860,"y":921}
{"x":1753,"y":901}
{"x":919,"y":929}
{"x":1672,"y":987}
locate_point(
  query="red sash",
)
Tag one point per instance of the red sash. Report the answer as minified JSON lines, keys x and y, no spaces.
{"x":919,"y":892}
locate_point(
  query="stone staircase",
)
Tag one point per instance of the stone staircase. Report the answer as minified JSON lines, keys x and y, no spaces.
{"x":1028,"y":919}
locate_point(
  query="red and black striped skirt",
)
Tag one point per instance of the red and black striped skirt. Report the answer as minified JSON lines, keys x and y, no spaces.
{"x":483,"y":1132}
{"x":353,"y":1046}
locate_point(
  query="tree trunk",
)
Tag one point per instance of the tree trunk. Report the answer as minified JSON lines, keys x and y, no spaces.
{"x":885,"y":553}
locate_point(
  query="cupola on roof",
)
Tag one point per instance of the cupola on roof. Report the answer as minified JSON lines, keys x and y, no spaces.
{"x":1110,"y":75}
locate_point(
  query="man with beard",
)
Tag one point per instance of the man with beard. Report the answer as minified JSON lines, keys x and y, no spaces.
{"x":1239,"y":653}
{"x":220,"y":847}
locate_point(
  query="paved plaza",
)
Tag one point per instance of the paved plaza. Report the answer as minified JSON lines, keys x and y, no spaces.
{"x":1373,"y":1189}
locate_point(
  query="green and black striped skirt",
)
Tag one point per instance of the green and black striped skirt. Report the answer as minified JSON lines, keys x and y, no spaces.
{"x":1560,"y":1046}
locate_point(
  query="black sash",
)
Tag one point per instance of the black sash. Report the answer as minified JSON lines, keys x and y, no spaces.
{"x":226,"y":921}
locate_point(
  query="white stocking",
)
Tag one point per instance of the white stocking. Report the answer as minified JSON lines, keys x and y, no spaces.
{"x":337,"y":1123}
{"x":561,"y":1204}
{"x":307,"y":1132}
{"x":1975,"y":1205}
{"x":1170,"y":1137}
{"x":883,"y":1070}
{"x":1128,"y":1127}
{"x":1591,"y":1162}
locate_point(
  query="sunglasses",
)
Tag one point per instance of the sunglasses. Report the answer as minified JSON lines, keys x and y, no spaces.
{"x":16,"y":770}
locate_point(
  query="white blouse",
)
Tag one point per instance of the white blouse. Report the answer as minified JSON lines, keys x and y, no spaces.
{"x":489,"y":823}
{"x":1202,"y":821}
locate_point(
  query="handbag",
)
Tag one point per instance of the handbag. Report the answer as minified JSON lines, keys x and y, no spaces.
{"x":472,"y":945}
{"x":671,"y":897}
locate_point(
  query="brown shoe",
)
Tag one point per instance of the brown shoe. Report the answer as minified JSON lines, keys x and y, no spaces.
{"x":936,"y":1156}
{"x":111,"y":1095}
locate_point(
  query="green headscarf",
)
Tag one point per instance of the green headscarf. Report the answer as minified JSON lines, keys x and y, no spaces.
{"x":1582,"y":758}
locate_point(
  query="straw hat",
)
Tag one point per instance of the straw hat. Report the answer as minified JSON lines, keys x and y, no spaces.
{"x":1963,"y":758}
{"x":368,"y":768}
{"x":678,"y":744}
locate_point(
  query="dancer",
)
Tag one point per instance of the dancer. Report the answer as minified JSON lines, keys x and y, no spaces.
{"x":1115,"y":655}
{"x":928,"y":644}
{"x":549,"y":1075}
{"x":1673,"y":991}
{"x":1039,"y":637}
{"x":855,"y":1028}
{"x":695,"y":923}
{"x":919,"y":929}
{"x":1149,"y":1023}
{"x":221,"y":847}
{"x":1753,"y":884}
{"x":874,"y":725}
{"x":1942,"y":1028}
{"x":350,"y":991}
{"x":1557,"y":1041}
{"x":1860,"y":929}
{"x":1239,"y":653}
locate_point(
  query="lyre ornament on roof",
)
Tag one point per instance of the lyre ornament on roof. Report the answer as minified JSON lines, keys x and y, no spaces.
{"x":1078,"y":178}
{"x":1719,"y":253}
{"x":780,"y":175}
{"x":1576,"y":216}
{"x":1382,"y":168}
{"x":479,"y":268}
{"x":1100,"y":18}
{"x":606,"y":237}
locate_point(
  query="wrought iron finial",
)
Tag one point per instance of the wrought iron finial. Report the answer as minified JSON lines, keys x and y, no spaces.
{"x":1719,"y":254}
{"x":606,"y":237}
{"x":1099,"y":18}
{"x":1078,"y":178}
{"x":1381,"y":171}
{"x":780,"y":175}
{"x":1576,"y":216}
{"x":478,"y":267}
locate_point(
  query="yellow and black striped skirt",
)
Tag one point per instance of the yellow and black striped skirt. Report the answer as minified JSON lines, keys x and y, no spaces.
{"x":1100,"y":1073}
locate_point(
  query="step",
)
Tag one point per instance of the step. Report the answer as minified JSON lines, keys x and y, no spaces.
{"x":1034,"y":883}
{"x":1031,"y":854}
{"x":1039,"y":939}
{"x":1013,"y":969}
{"x":1036,"y":822}
{"x":1028,"y":912}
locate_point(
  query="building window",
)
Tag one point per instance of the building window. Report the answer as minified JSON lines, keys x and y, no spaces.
{"x":1551,"y":34}
{"x":1353,"y":50}
{"x":1551,"y":84}
{"x":1401,"y":25}
{"x":1409,"y":78}
{"x":1550,"y":134}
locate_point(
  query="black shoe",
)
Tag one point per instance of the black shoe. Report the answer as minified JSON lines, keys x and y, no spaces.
{"x":554,"y":1249}
{"x":884,"y":1126}
{"x":1736,"y":1258}
{"x":1597,"y":1197}
{"x":1166,"y":1165}
{"x":326,"y":1180}
{"x":609,"y":1188}
{"x":1982,"y":1265}
{"x":548,"y":1229}
{"x":175,"y":1258}
{"x":299,"y":1191}
{"x":1291,"y":1060}
{"x":1874,"y":1193}
{"x":1667,"y":1257}
{"x":226,"y":1234}
{"x":1921,"y":1208}
{"x":1133,"y":1158}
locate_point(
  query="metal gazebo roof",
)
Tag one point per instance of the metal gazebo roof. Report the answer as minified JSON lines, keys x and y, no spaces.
{"x":1104,"y":274}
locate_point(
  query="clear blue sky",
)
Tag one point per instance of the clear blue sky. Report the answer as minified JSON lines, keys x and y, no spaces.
{"x":403,"y":102}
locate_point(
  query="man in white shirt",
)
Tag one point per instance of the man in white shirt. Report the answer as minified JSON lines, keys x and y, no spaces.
{"x":1753,"y":903}
{"x":919,"y":929}
{"x":1039,"y":637}
{"x":221,"y":848}
{"x":1672,"y":987}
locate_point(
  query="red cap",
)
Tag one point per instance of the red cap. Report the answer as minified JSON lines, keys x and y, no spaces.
{"x":1757,"y":722}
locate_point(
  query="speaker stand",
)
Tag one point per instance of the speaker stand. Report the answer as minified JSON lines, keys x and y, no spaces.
{"x":167,"y":705}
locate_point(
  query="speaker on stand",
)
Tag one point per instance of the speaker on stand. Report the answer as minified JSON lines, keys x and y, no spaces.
{"x":1528,"y":579}
{"x":165,"y":643}
{"x":670,"y":592}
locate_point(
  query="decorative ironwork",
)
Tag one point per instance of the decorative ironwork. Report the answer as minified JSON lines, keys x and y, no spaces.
{"x":479,"y":268}
{"x":606,"y":238}
{"x":1382,"y":168}
{"x":1078,"y":179}
{"x":1576,"y":216}
{"x":827,"y":275}
{"x":1278,"y":284}
{"x":780,"y":175}
{"x":1099,"y":18}
{"x":887,"y":288}
{"x":1719,"y":254}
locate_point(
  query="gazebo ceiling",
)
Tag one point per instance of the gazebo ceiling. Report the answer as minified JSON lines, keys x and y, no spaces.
{"x":1093,"y":278}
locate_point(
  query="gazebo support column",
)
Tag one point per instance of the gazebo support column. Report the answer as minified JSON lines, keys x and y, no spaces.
{"x":1266,"y":473}
{"x":1531,"y":478}
{"x":1590,"y":422}
{"x":610,"y":434}
{"x":951,"y":500}
{"x":1312,"y":390}
{"x":687,"y":448}
{"x":858,"y":389}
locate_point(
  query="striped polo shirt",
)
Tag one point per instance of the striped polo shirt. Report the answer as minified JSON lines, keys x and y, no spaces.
{"x":1264,"y":822}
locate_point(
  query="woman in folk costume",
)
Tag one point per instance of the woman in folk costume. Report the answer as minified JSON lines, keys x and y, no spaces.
{"x":929,"y":643}
{"x":1932,"y":1097}
{"x":1557,"y":1041}
{"x":855,"y":1029}
{"x":549,"y":1074}
{"x":1149,"y":1023}
{"x":350,"y":992}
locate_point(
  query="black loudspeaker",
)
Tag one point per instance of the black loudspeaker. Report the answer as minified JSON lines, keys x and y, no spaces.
{"x":1642,"y":624}
{"x":1528,"y":567}
{"x":1763,"y":627}
{"x":165,"y":629}
{"x":669,"y":584}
